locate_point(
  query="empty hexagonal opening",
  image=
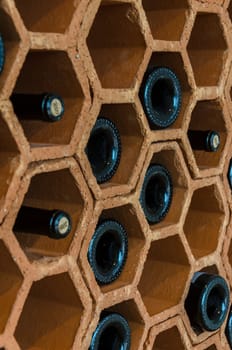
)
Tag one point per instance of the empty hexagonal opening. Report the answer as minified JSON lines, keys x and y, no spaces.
{"x":208,"y":115}
{"x":126,"y":215}
{"x":51,"y":72}
{"x":130,"y":311}
{"x":46,"y":16}
{"x":169,"y":339}
{"x":118,"y":51}
{"x":10,"y":282}
{"x":54,"y":309}
{"x":51,"y":190}
{"x":206,"y":49}
{"x":212,"y":347}
{"x":174,"y":61}
{"x":204,"y":219}
{"x":169,"y":158}
{"x":164,"y":275}
{"x":125,"y":118}
{"x":11,"y":41}
{"x":9,"y":157}
{"x":166,"y":18}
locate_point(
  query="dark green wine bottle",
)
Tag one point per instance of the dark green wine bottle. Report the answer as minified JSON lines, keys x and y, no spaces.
{"x":55,"y":224}
{"x":156,"y":193}
{"x":48,"y":107}
{"x":107,"y":251}
{"x":204,"y":140}
{"x":104,"y":149}
{"x":112,"y":332}
{"x":160,"y":95}
{"x":207,"y":302}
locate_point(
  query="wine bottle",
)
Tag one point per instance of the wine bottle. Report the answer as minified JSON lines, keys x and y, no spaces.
{"x":156,"y":193}
{"x":47,"y":106}
{"x":229,"y":174}
{"x":107,"y":251}
{"x":2,"y":54}
{"x":160,"y":94}
{"x":104,"y":149}
{"x":112,"y":332}
{"x":55,"y":224}
{"x":228,"y":329}
{"x":204,"y":140}
{"x":207,"y":302}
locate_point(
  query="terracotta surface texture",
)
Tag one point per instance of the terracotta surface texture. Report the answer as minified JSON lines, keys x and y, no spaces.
{"x":95,"y":54}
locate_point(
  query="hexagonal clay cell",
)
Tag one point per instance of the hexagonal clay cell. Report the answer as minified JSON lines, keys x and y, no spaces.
{"x":164,"y":275}
{"x":55,"y":309}
{"x":130,"y":310}
{"x":10,"y":282}
{"x":204,"y":220}
{"x":42,"y":16}
{"x":171,"y":158}
{"x":207,"y":49}
{"x":48,"y":72}
{"x":9,"y":157}
{"x":11,"y":42}
{"x":173,"y":61}
{"x":126,"y":119}
{"x":54,"y":190}
{"x":166,"y":18}
{"x":169,"y":339}
{"x":118,"y":51}
{"x":208,"y":116}
{"x":127,"y":217}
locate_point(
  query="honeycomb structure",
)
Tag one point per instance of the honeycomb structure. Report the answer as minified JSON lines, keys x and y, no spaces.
{"x":95,"y":55}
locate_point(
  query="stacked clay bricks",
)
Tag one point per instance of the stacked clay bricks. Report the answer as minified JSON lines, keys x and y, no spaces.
{"x":94,"y":54}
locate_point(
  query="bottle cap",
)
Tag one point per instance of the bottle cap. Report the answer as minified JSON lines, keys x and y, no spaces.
{"x":2,"y":54}
{"x":53,"y":107}
{"x":60,"y":224}
{"x":212,"y":141}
